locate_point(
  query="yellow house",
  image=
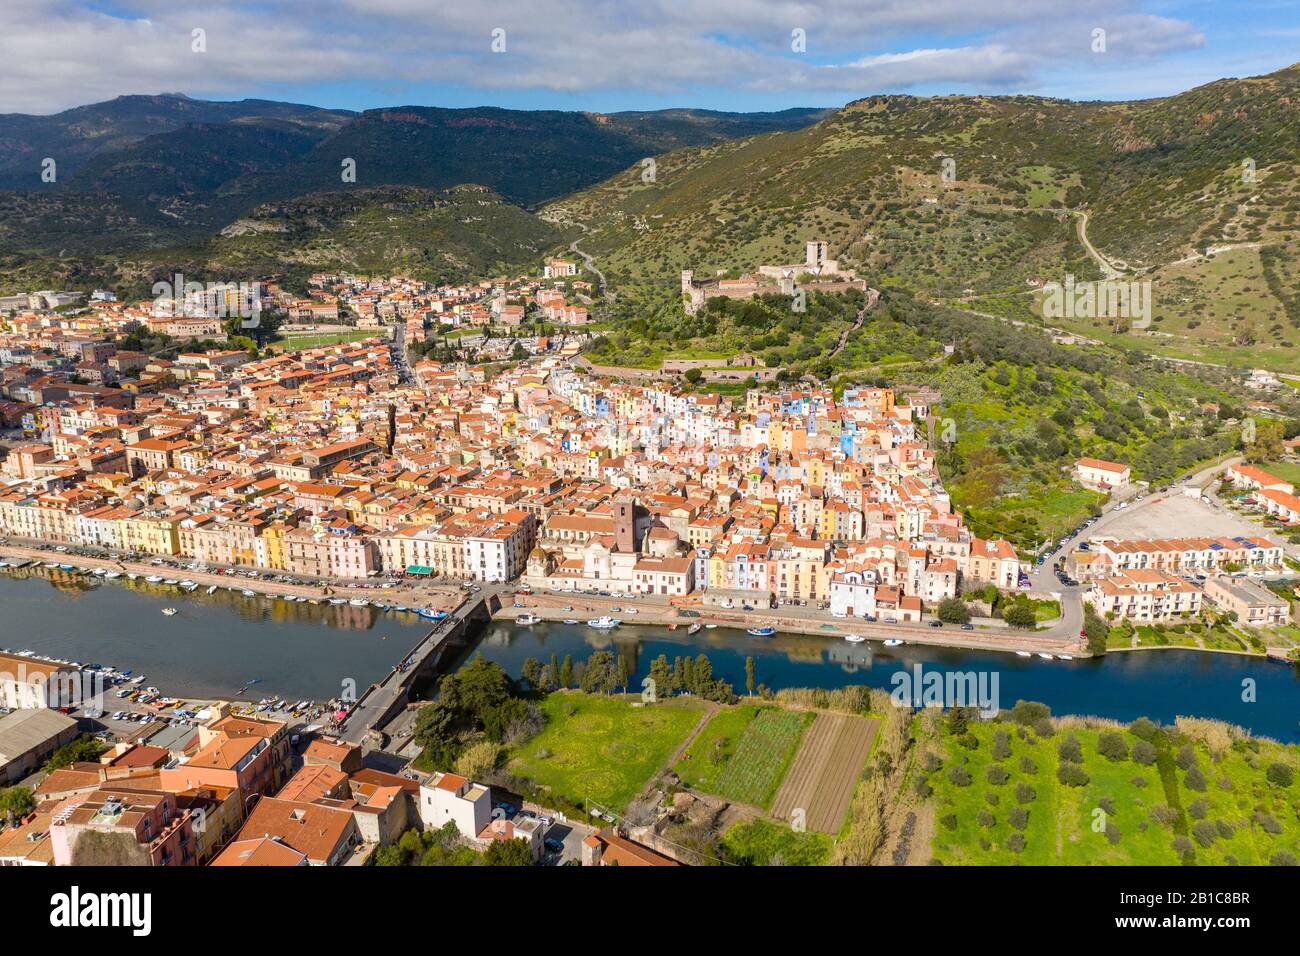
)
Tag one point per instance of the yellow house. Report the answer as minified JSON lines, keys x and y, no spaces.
{"x":152,"y":534}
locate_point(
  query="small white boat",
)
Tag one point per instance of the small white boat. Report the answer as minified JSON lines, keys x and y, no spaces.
{"x":528,"y":618}
{"x":570,"y":620}
{"x":892,"y":642}
{"x":171,"y":581}
{"x":189,"y":585}
{"x":138,"y":680}
{"x":1046,"y":656}
{"x":154,"y":579}
{"x":1023,"y":654}
{"x":767,"y":630}
{"x":248,"y":593}
{"x":854,"y":638}
{"x":338,"y":600}
{"x":359,"y":602}
{"x":1064,"y":657}
{"x":113,"y":575}
{"x":212,"y":589}
{"x":169,"y":611}
{"x":710,"y":627}
{"x":604,"y":623}
{"x":694,"y":628}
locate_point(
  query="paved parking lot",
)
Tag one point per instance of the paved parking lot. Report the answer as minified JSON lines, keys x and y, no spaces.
{"x":1178,"y":516}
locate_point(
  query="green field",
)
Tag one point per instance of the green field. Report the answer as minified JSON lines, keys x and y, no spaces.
{"x":1127,"y":812}
{"x":1286,"y":470}
{"x":296,"y":341}
{"x":603,"y":749}
{"x":761,"y":842}
{"x":742,"y":754}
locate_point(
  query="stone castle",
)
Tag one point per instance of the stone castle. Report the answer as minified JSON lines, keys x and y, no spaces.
{"x":815,"y":272}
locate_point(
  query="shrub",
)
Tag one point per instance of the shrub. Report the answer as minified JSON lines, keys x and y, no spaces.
{"x":1268,"y":823}
{"x":1163,"y":814}
{"x":1186,"y":758}
{"x":985,"y":819}
{"x":1025,"y":793}
{"x":1279,"y":774}
{"x":1198,"y":808}
{"x":1205,"y":832}
{"x":931,"y":762}
{"x":1001,"y":745}
{"x":959,"y":776}
{"x":1070,"y":750}
{"x":1195,"y":780}
{"x":1016,"y":842}
{"x":1112,"y":833}
{"x":1107,"y":804}
{"x":969,"y":741}
{"x":1029,"y":712}
{"x":1284,"y":858}
{"x":1144,"y":753}
{"x":1072,"y":775}
{"x":1044,"y":728}
{"x":1112,"y":746}
{"x":949,"y":821}
{"x":1143,"y":729}
{"x":997,"y":774}
{"x":1183,"y":847}
{"x":1018,"y":817}
{"x":1140,"y":782}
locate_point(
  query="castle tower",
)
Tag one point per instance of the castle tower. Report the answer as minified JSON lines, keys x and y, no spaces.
{"x":815,"y":254}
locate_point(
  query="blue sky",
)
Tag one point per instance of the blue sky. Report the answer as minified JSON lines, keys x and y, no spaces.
{"x":606,"y":55}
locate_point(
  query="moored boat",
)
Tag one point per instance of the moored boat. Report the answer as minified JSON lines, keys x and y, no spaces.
{"x":604,"y":623}
{"x":892,"y":642}
{"x":528,"y":618}
{"x":767,"y":630}
{"x":854,"y":638}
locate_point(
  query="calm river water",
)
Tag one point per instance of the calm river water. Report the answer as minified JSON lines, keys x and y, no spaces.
{"x":219,"y":642}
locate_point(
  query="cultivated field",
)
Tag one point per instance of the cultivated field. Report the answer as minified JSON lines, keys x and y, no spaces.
{"x":826,"y":771}
{"x":603,"y":749}
{"x":743,"y":752}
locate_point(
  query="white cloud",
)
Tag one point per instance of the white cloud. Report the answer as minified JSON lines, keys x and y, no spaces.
{"x":59,"y":53}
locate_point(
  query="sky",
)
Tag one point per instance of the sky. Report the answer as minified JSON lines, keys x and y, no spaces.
{"x":608,"y":55}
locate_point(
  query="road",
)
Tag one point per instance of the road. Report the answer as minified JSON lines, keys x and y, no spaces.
{"x":590,"y":264}
{"x":1109,"y":270}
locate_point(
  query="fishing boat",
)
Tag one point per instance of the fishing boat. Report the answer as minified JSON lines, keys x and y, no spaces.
{"x":1046,"y":656}
{"x":528,"y":618}
{"x":67,"y":567}
{"x":338,"y":600}
{"x":212,"y":589}
{"x":1023,"y":654}
{"x":1064,"y":657}
{"x":570,"y":621}
{"x":113,"y":575}
{"x":767,"y":630}
{"x":710,"y":627}
{"x":132,"y":576}
{"x":694,"y":628}
{"x":605,"y":623}
{"x":138,"y":679}
{"x":189,"y":585}
{"x":854,"y":638}
{"x":171,"y":582}
{"x":169,"y":611}
{"x":892,"y":642}
{"x":248,"y":593}
{"x":359,"y":602}
{"x":154,"y":579}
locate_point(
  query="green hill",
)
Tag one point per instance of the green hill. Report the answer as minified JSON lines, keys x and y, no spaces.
{"x":1161,"y":182}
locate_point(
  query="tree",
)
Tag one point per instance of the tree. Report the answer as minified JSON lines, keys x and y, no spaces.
{"x":953,"y":611}
{"x":1020,"y":615}
{"x":508,"y":853}
{"x":693,"y":375}
{"x":566,"y":671}
{"x":620,"y":672}
{"x":749,"y":675}
{"x":16,"y":803}
{"x":599,"y":674}
{"x":478,"y":760}
{"x":531,"y":672}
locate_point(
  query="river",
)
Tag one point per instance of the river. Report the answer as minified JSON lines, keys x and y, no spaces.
{"x":219,"y":642}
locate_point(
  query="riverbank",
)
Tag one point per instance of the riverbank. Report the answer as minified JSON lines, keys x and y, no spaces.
{"x":551,"y":607}
{"x":413,"y":594}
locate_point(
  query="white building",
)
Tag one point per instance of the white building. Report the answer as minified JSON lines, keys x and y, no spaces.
{"x":448,"y":797}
